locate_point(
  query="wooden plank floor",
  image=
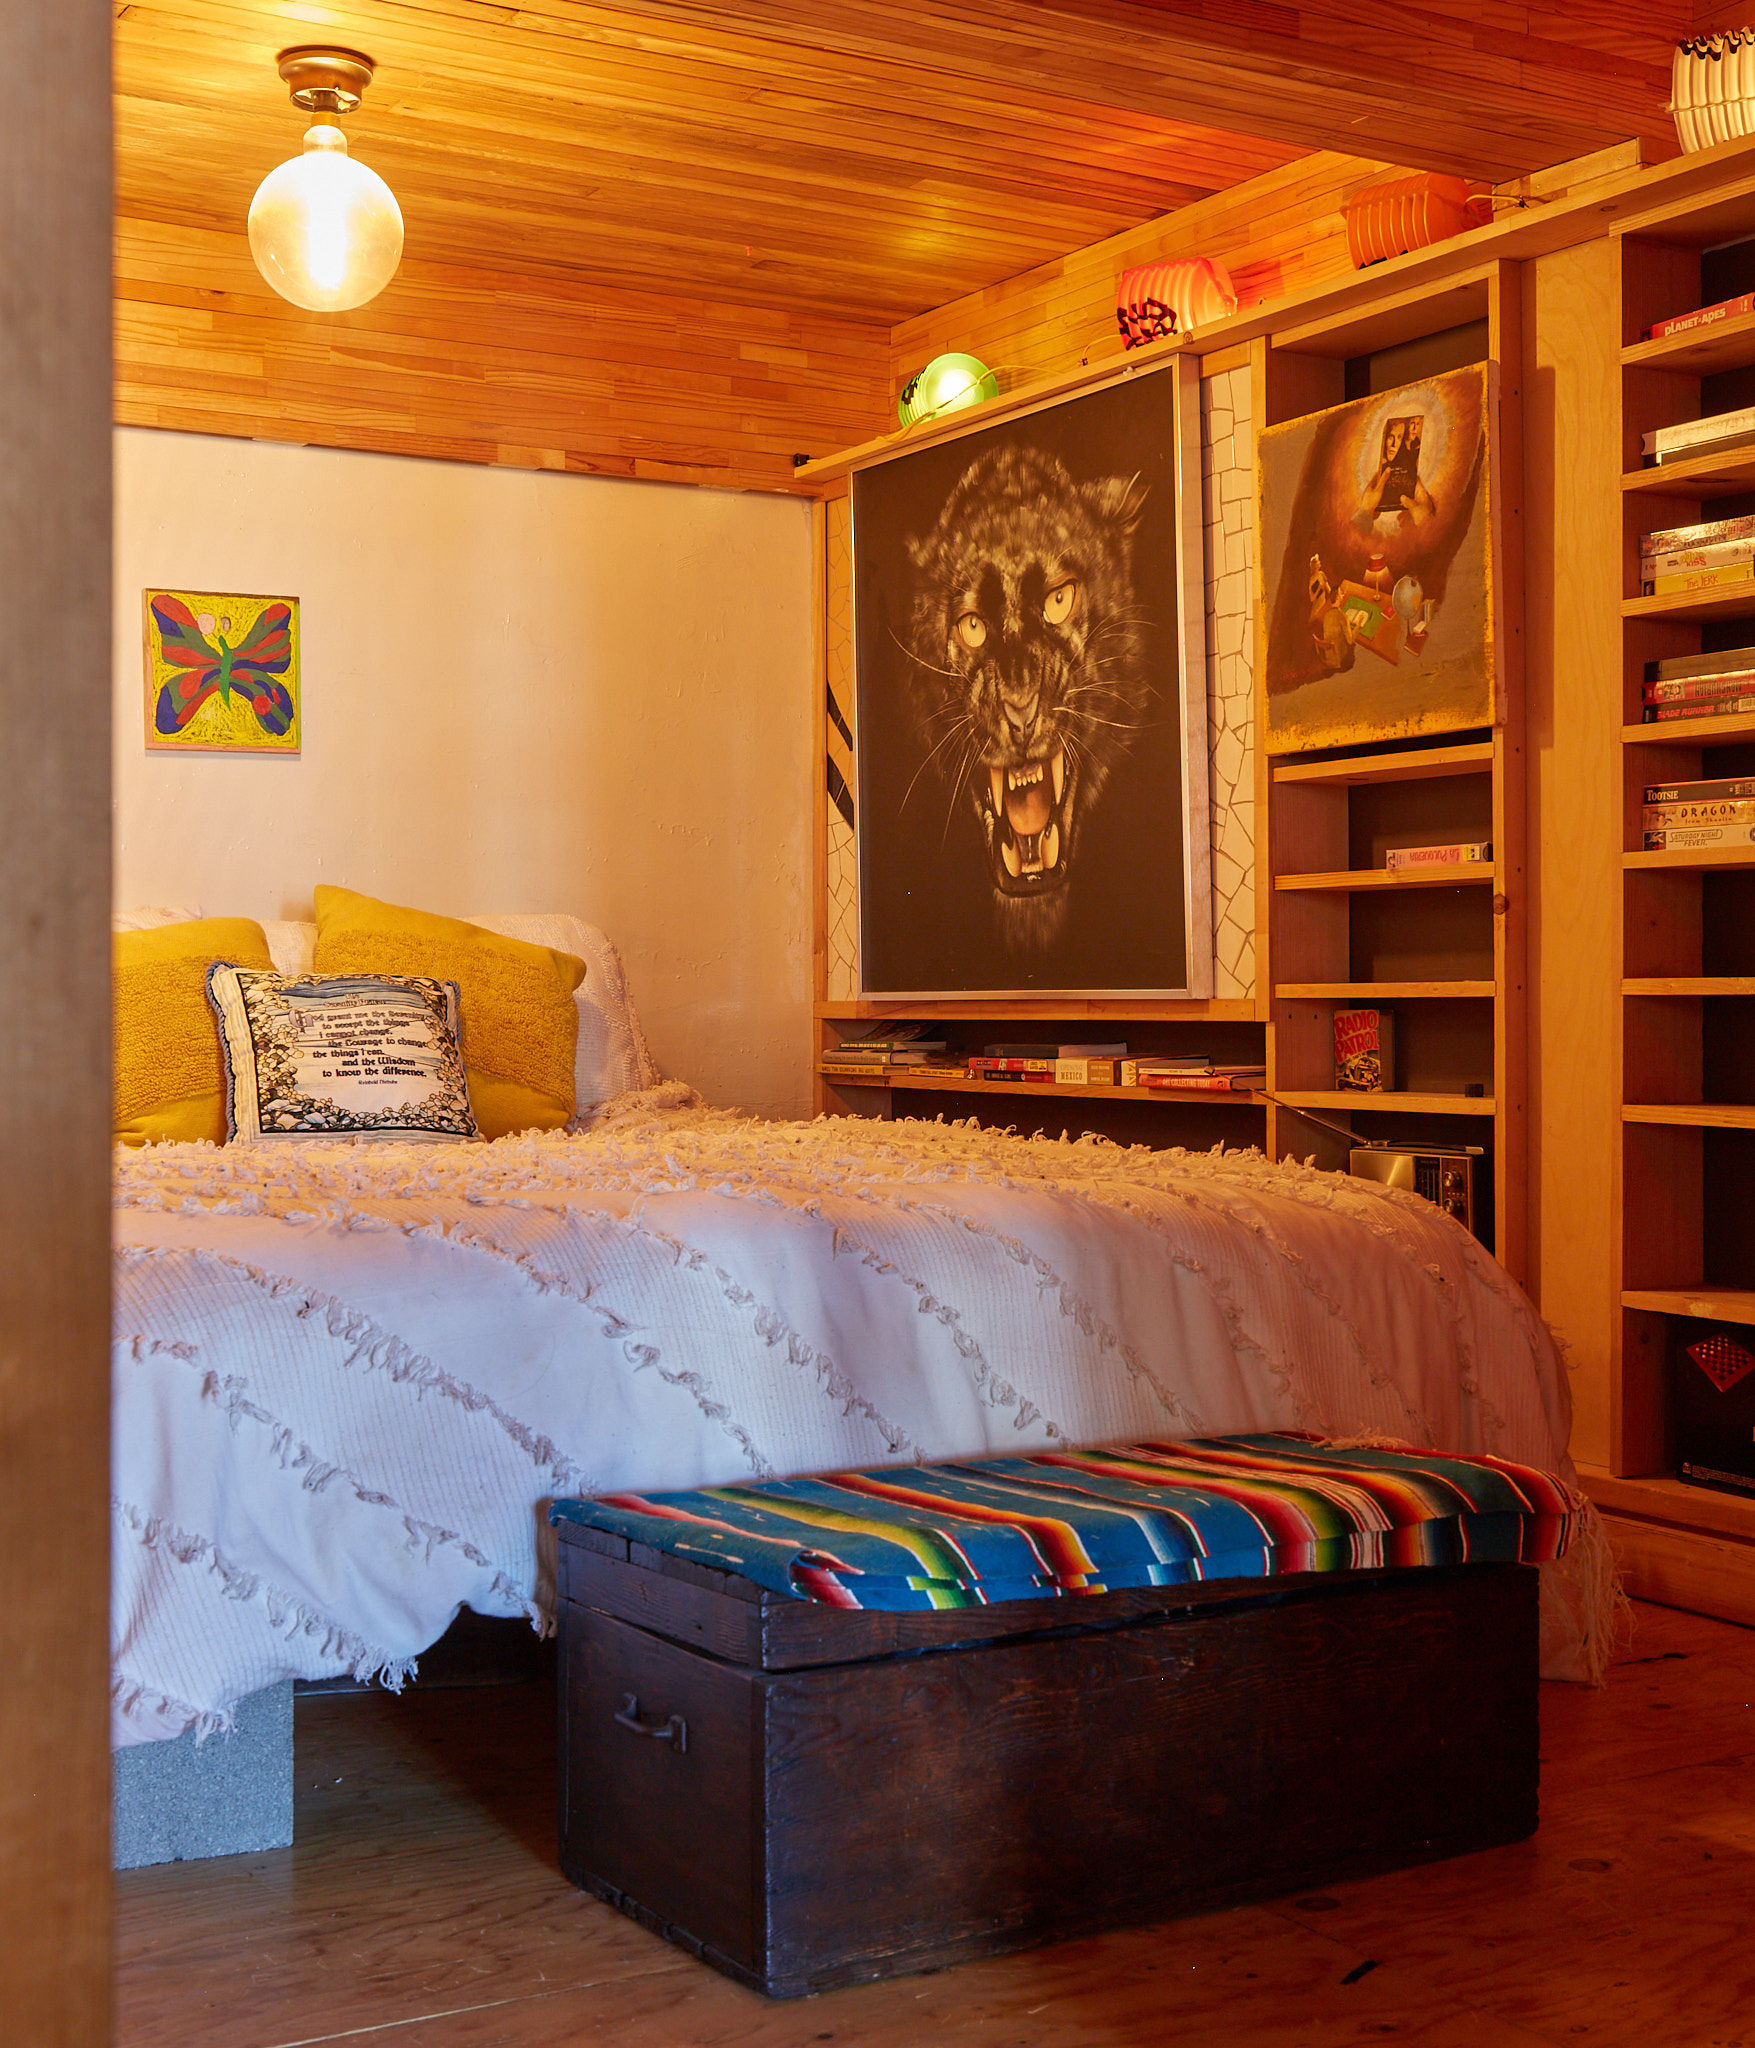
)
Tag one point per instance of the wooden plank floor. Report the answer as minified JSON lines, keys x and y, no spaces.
{"x":421,"y":1908}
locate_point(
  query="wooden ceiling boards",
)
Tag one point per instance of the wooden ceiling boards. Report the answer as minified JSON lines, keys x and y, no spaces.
{"x":858,"y":158}
{"x":679,"y":238}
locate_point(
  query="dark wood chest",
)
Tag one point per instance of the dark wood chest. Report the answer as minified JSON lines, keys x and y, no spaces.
{"x":805,"y":1796}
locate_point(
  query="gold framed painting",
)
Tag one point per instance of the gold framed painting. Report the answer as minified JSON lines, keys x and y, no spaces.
{"x":222,"y":672}
{"x":1378,"y":553}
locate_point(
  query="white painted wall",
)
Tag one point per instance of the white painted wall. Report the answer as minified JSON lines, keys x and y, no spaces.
{"x":522,"y":691}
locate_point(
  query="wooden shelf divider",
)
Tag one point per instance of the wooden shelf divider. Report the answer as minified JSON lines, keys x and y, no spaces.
{"x":1705,"y":1116}
{"x":1348,"y":879}
{"x":1387,"y":1101}
{"x":1705,"y":1304}
{"x":1413,"y":765}
{"x":1368,"y":992}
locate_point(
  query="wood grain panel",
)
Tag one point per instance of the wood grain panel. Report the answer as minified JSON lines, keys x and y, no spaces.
{"x":1573,"y":533}
{"x":421,"y":1903}
{"x":487,"y":366}
{"x":721,"y":152}
{"x":1283,"y":232}
{"x":54,"y":1025}
{"x":1484,"y":91}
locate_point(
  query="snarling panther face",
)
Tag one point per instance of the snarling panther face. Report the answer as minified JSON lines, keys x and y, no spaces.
{"x":1026,"y":665}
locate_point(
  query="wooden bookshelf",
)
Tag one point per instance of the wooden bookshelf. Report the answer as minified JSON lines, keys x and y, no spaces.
{"x":1443,"y":947}
{"x":1685,"y":975}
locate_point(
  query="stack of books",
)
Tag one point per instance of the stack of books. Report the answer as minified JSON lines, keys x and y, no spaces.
{"x":1022,"y":1060}
{"x":887,"y":1051}
{"x":1078,"y":1066}
{"x":1700,"y":685}
{"x":1710,"y":436}
{"x":1699,"y":557}
{"x":1717,"y":812}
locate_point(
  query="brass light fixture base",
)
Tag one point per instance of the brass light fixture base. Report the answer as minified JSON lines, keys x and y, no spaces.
{"x":324,"y":79}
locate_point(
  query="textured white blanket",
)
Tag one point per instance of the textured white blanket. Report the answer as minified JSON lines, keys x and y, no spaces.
{"x":347,"y":1378}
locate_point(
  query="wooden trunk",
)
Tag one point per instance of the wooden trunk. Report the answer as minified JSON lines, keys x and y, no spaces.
{"x":804,"y":1796}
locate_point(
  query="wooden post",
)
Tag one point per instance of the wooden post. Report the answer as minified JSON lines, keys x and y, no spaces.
{"x":54,"y":1020}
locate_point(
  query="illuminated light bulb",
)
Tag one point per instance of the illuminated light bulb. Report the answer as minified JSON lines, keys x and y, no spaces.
{"x":326,"y":232}
{"x":945,"y":385}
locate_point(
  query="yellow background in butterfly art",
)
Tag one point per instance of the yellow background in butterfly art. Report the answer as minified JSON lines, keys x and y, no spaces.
{"x":237,"y":657}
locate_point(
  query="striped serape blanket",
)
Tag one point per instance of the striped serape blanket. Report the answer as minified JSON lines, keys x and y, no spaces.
{"x":1094,"y":1521}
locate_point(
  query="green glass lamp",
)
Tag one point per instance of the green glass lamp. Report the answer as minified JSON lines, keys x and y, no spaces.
{"x":946,"y":383}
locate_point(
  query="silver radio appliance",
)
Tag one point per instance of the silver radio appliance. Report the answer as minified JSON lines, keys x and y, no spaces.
{"x":1444,"y":1174}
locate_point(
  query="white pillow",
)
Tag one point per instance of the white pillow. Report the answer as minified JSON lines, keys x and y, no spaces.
{"x":291,"y":946}
{"x":149,"y":916}
{"x":613,"y":1055}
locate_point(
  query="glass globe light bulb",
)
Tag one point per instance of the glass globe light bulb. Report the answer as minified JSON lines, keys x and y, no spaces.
{"x":326,"y":232}
{"x":948,"y":383}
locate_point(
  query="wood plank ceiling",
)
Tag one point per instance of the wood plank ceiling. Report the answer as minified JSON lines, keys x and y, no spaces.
{"x":841,"y":165}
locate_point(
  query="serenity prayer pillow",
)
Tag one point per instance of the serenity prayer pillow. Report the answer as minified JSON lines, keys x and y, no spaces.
{"x":340,"y":1055}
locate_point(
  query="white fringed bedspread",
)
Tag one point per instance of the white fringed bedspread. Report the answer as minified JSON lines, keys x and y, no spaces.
{"x":348,"y":1377}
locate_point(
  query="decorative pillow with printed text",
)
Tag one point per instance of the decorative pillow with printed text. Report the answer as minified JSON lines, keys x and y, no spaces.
{"x":340,"y":1055}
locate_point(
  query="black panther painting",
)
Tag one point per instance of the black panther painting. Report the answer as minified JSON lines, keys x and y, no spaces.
{"x":1020,"y":705}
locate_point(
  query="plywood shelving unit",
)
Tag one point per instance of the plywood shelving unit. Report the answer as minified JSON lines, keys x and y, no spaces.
{"x":1444,"y":948}
{"x":1685,"y":1255}
{"x":1640,"y":1054}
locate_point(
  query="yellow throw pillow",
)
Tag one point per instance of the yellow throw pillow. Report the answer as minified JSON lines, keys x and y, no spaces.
{"x":520,"y":1023}
{"x":170,"y":1072}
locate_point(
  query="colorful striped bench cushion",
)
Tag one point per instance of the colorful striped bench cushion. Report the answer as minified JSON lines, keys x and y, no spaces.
{"x":1093,"y":1521}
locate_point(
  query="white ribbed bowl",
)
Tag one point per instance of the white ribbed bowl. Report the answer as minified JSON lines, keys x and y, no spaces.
{"x":1712,"y":88}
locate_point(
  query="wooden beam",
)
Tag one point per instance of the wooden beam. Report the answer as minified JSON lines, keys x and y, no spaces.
{"x":54,"y":1023}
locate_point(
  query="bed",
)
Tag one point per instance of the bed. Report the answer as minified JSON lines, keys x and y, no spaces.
{"x":349,"y":1378}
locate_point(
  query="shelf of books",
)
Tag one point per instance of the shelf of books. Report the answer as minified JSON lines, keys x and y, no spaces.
{"x":1155,"y":1086}
{"x":1682,"y":1448}
{"x":1394,"y":918}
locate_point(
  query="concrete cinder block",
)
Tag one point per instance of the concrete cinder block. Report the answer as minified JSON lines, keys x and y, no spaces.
{"x":175,"y":1801}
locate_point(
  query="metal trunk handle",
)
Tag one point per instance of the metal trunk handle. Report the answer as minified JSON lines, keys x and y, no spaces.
{"x":675,"y":1729}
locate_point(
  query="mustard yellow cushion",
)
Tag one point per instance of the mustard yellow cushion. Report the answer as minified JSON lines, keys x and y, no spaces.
{"x":170,"y":1073}
{"x":520,"y":1023}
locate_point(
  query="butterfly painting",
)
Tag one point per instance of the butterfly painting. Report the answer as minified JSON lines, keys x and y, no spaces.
{"x":222,"y":672}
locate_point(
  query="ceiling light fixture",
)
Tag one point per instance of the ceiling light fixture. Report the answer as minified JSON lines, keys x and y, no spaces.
{"x":325,"y":231}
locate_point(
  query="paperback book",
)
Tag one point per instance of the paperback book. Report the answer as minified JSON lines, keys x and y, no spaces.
{"x":1711,"y":811}
{"x":1672,"y":582}
{"x":1705,"y":316}
{"x":1699,"y":792}
{"x":1364,"y":1050}
{"x":1462,"y":853}
{"x":1719,"y":707}
{"x":1665,"y":540}
{"x":1699,"y":689}
{"x":1696,"y":437}
{"x":1215,"y":1081}
{"x":1723,"y":661}
{"x":1692,"y":838}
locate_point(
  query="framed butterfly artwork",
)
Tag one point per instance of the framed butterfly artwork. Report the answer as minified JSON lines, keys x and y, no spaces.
{"x":222,"y":673}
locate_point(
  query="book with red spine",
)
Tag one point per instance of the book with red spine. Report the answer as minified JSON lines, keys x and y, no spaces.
{"x":1219,"y":1081}
{"x":1718,"y":707}
{"x":1699,"y":689}
{"x":1706,"y":316}
{"x":1462,"y":853}
{"x":989,"y":1063}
